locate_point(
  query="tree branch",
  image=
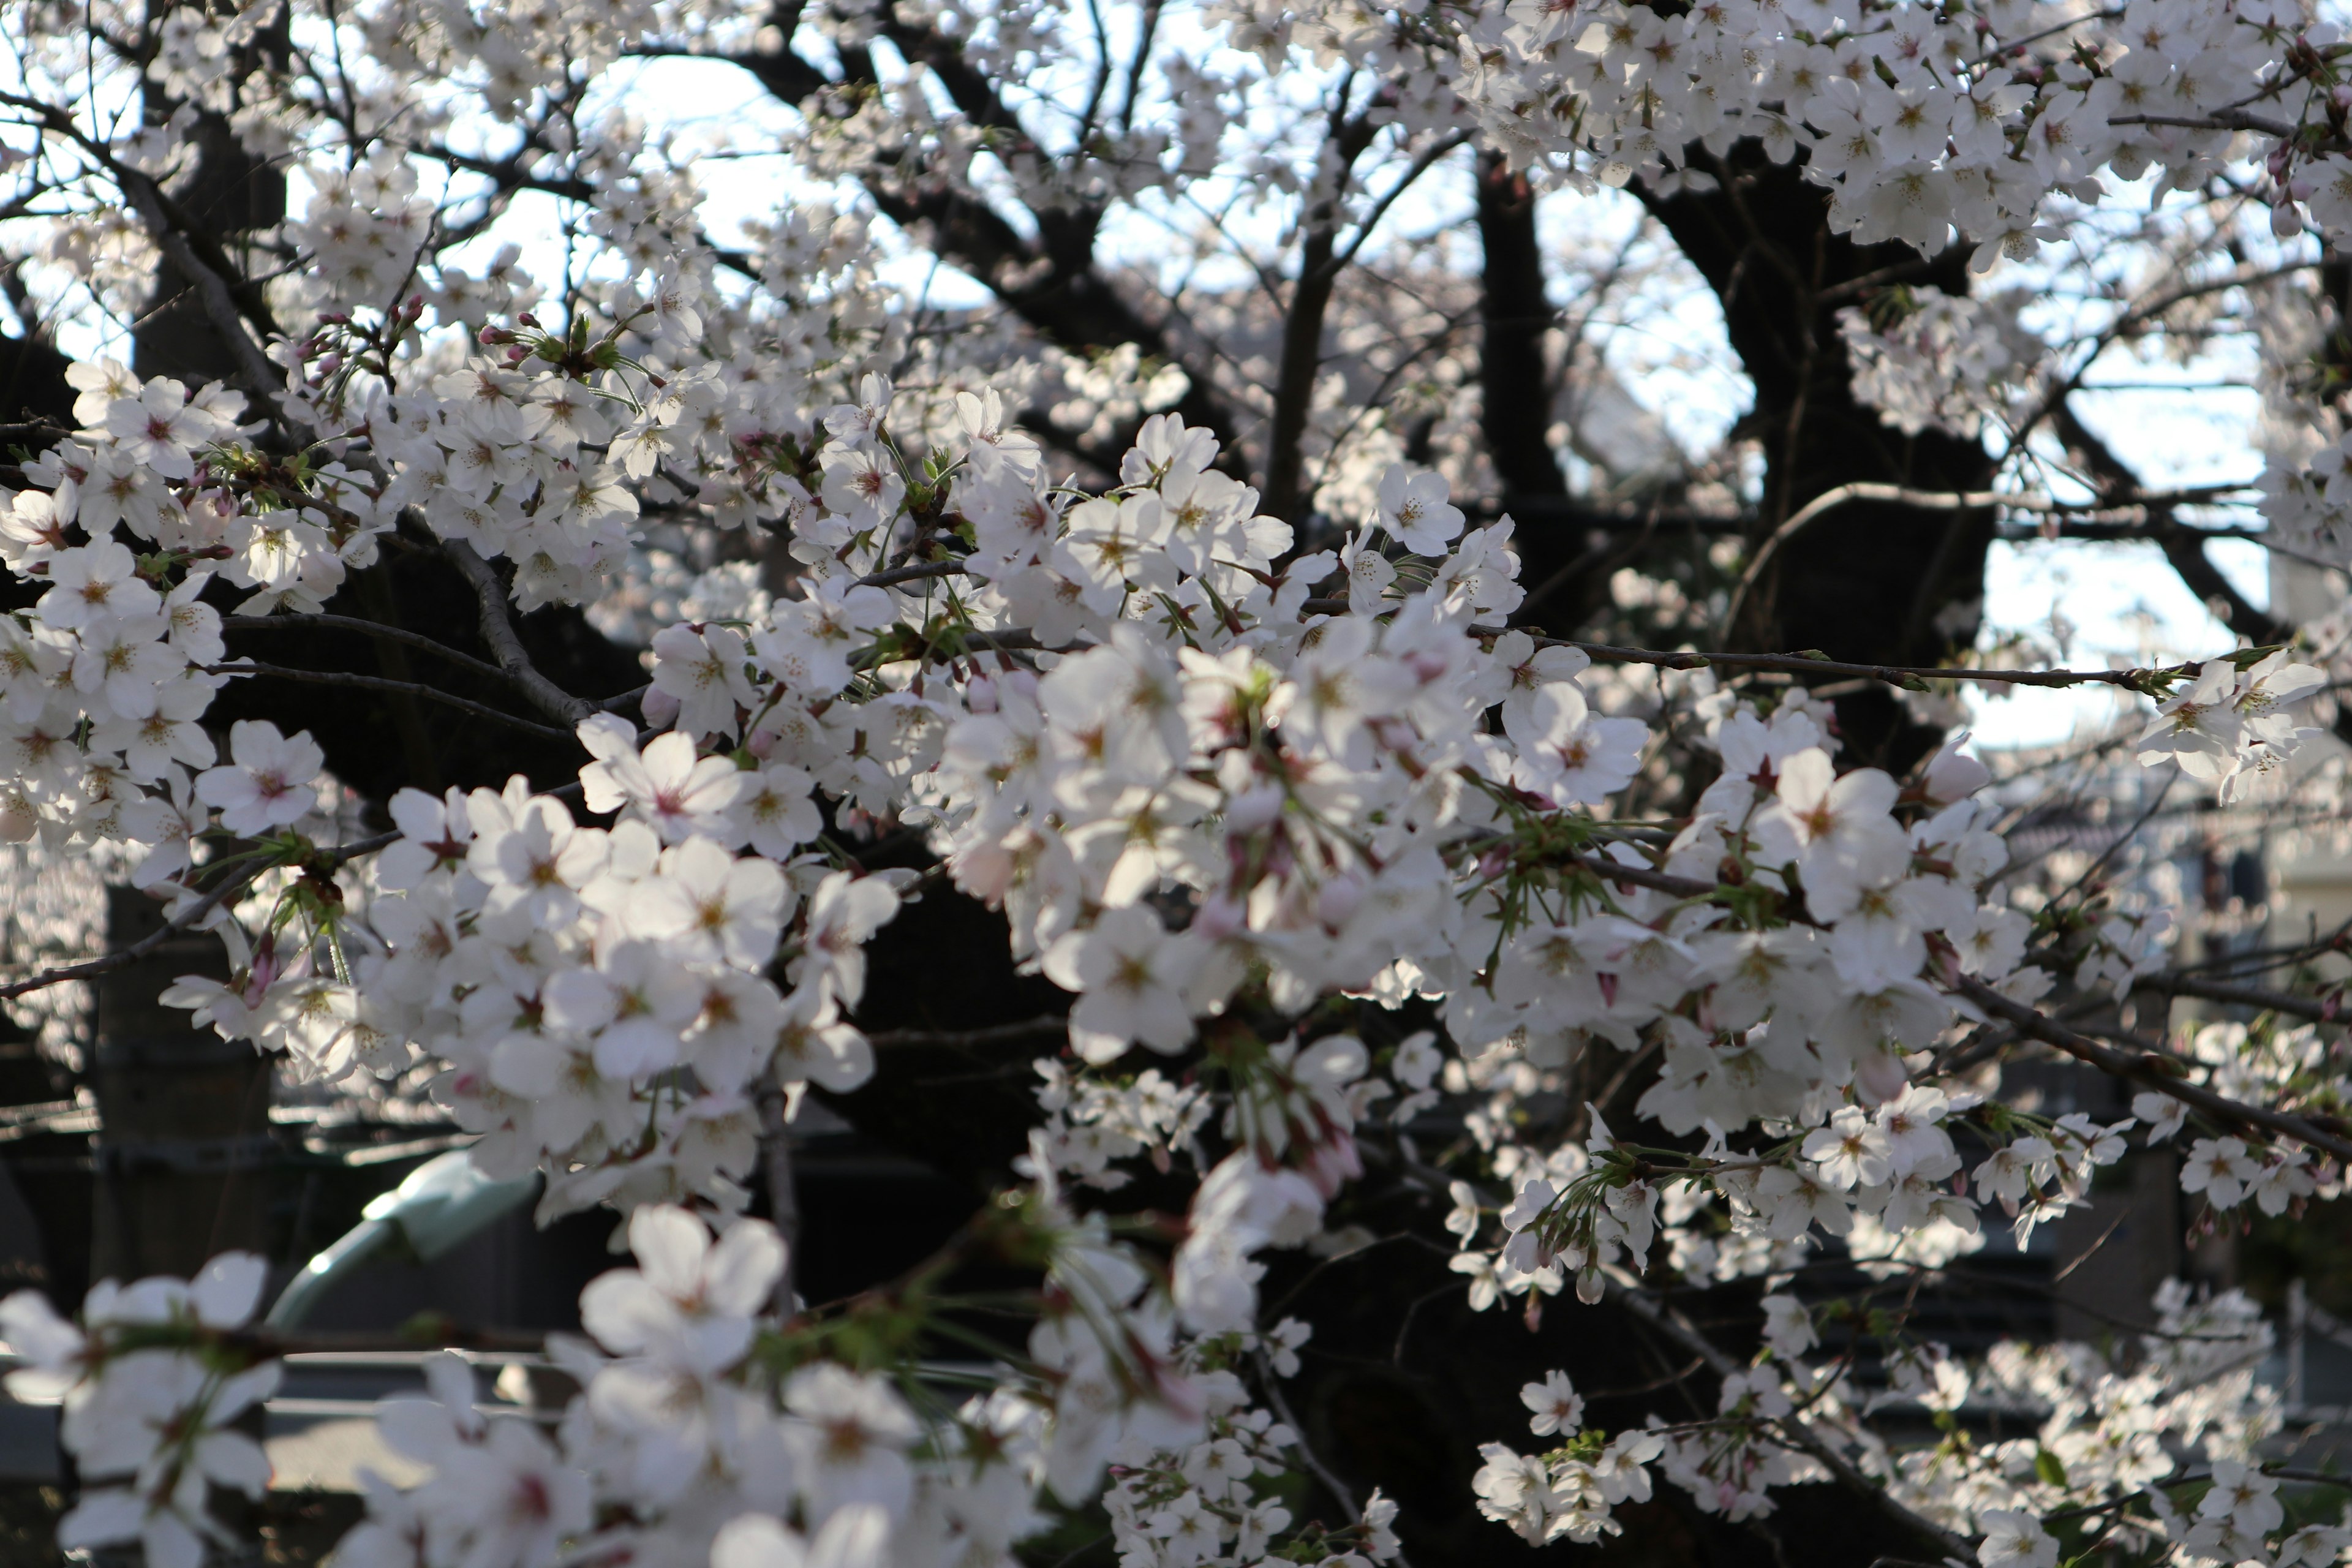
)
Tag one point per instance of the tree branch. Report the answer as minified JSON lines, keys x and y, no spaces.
{"x":2150,"y":1068}
{"x":292,"y":622}
{"x":227,"y":889}
{"x":1796,"y":1429}
{"x":498,"y":630}
{"x":381,"y":683}
{"x":2323,"y":1010}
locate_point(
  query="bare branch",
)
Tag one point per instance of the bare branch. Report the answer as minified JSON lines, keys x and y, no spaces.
{"x":2150,"y":1069}
{"x":366,"y":628}
{"x":382,"y":683}
{"x":498,"y":630}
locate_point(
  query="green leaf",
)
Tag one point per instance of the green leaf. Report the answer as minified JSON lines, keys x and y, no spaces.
{"x":2047,"y":1468}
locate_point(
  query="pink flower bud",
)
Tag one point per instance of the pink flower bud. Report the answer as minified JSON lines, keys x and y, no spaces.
{"x":2285,"y":221}
{"x":1253,"y":809}
{"x":265,"y":970}
{"x":1219,"y":916}
{"x":1338,"y":899}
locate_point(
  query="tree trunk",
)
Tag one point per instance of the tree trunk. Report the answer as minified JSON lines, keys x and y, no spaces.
{"x":184,"y":1154}
{"x":1869,"y":582}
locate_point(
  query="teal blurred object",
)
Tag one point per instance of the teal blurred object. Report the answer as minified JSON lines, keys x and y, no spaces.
{"x":444,"y":1201}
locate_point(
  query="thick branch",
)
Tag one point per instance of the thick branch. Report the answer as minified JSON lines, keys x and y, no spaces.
{"x":2184,"y":549}
{"x":1302,"y":327}
{"x":1054,"y":285}
{"x":1515,"y":402}
{"x":2150,"y":1070}
{"x":499,"y":631}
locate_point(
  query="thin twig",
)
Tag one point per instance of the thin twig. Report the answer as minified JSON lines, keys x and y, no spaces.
{"x":1679,"y":1329}
{"x":382,"y":683}
{"x":365,"y":628}
{"x":2324,"y":1011}
{"x":178,"y":923}
{"x":967,"y":1039}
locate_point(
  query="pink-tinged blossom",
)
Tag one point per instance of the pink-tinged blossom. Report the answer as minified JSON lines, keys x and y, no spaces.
{"x":265,"y":784}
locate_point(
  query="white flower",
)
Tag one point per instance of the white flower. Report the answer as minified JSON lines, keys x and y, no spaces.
{"x":94,"y":581}
{"x":1573,"y":753}
{"x":2014,"y":1540}
{"x":1415,"y":511}
{"x":704,"y":670}
{"x":713,"y":906}
{"x":667,"y":786}
{"x":267,"y":782}
{"x":857,"y":1536}
{"x":1849,"y":1151}
{"x":849,"y":1440}
{"x":1787,"y":1327}
{"x":1129,"y":975}
{"x":1558,"y":1406}
{"x":2220,"y":1168}
{"x":688,"y":1304}
{"x":2199,"y":727}
{"x":1837,"y":830}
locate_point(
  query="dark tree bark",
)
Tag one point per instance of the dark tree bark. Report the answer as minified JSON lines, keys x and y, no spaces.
{"x":33,"y":388}
{"x":1515,"y":312}
{"x":1866,"y":581}
{"x":228,"y":195}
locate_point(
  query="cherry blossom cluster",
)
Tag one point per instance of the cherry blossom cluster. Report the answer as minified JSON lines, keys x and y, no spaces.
{"x":2117,"y":1430}
{"x":1920,"y":119}
{"x":704,"y":1423}
{"x":1218,"y":787}
{"x":599,"y":999}
{"x":2229,"y":724}
{"x":104,"y":681}
{"x":152,"y":1383}
{"x":1933,"y":359}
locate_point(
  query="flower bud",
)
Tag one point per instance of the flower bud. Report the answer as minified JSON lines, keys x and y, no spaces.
{"x":1253,"y":809}
{"x":1340,"y":898}
{"x":1218,"y":917}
